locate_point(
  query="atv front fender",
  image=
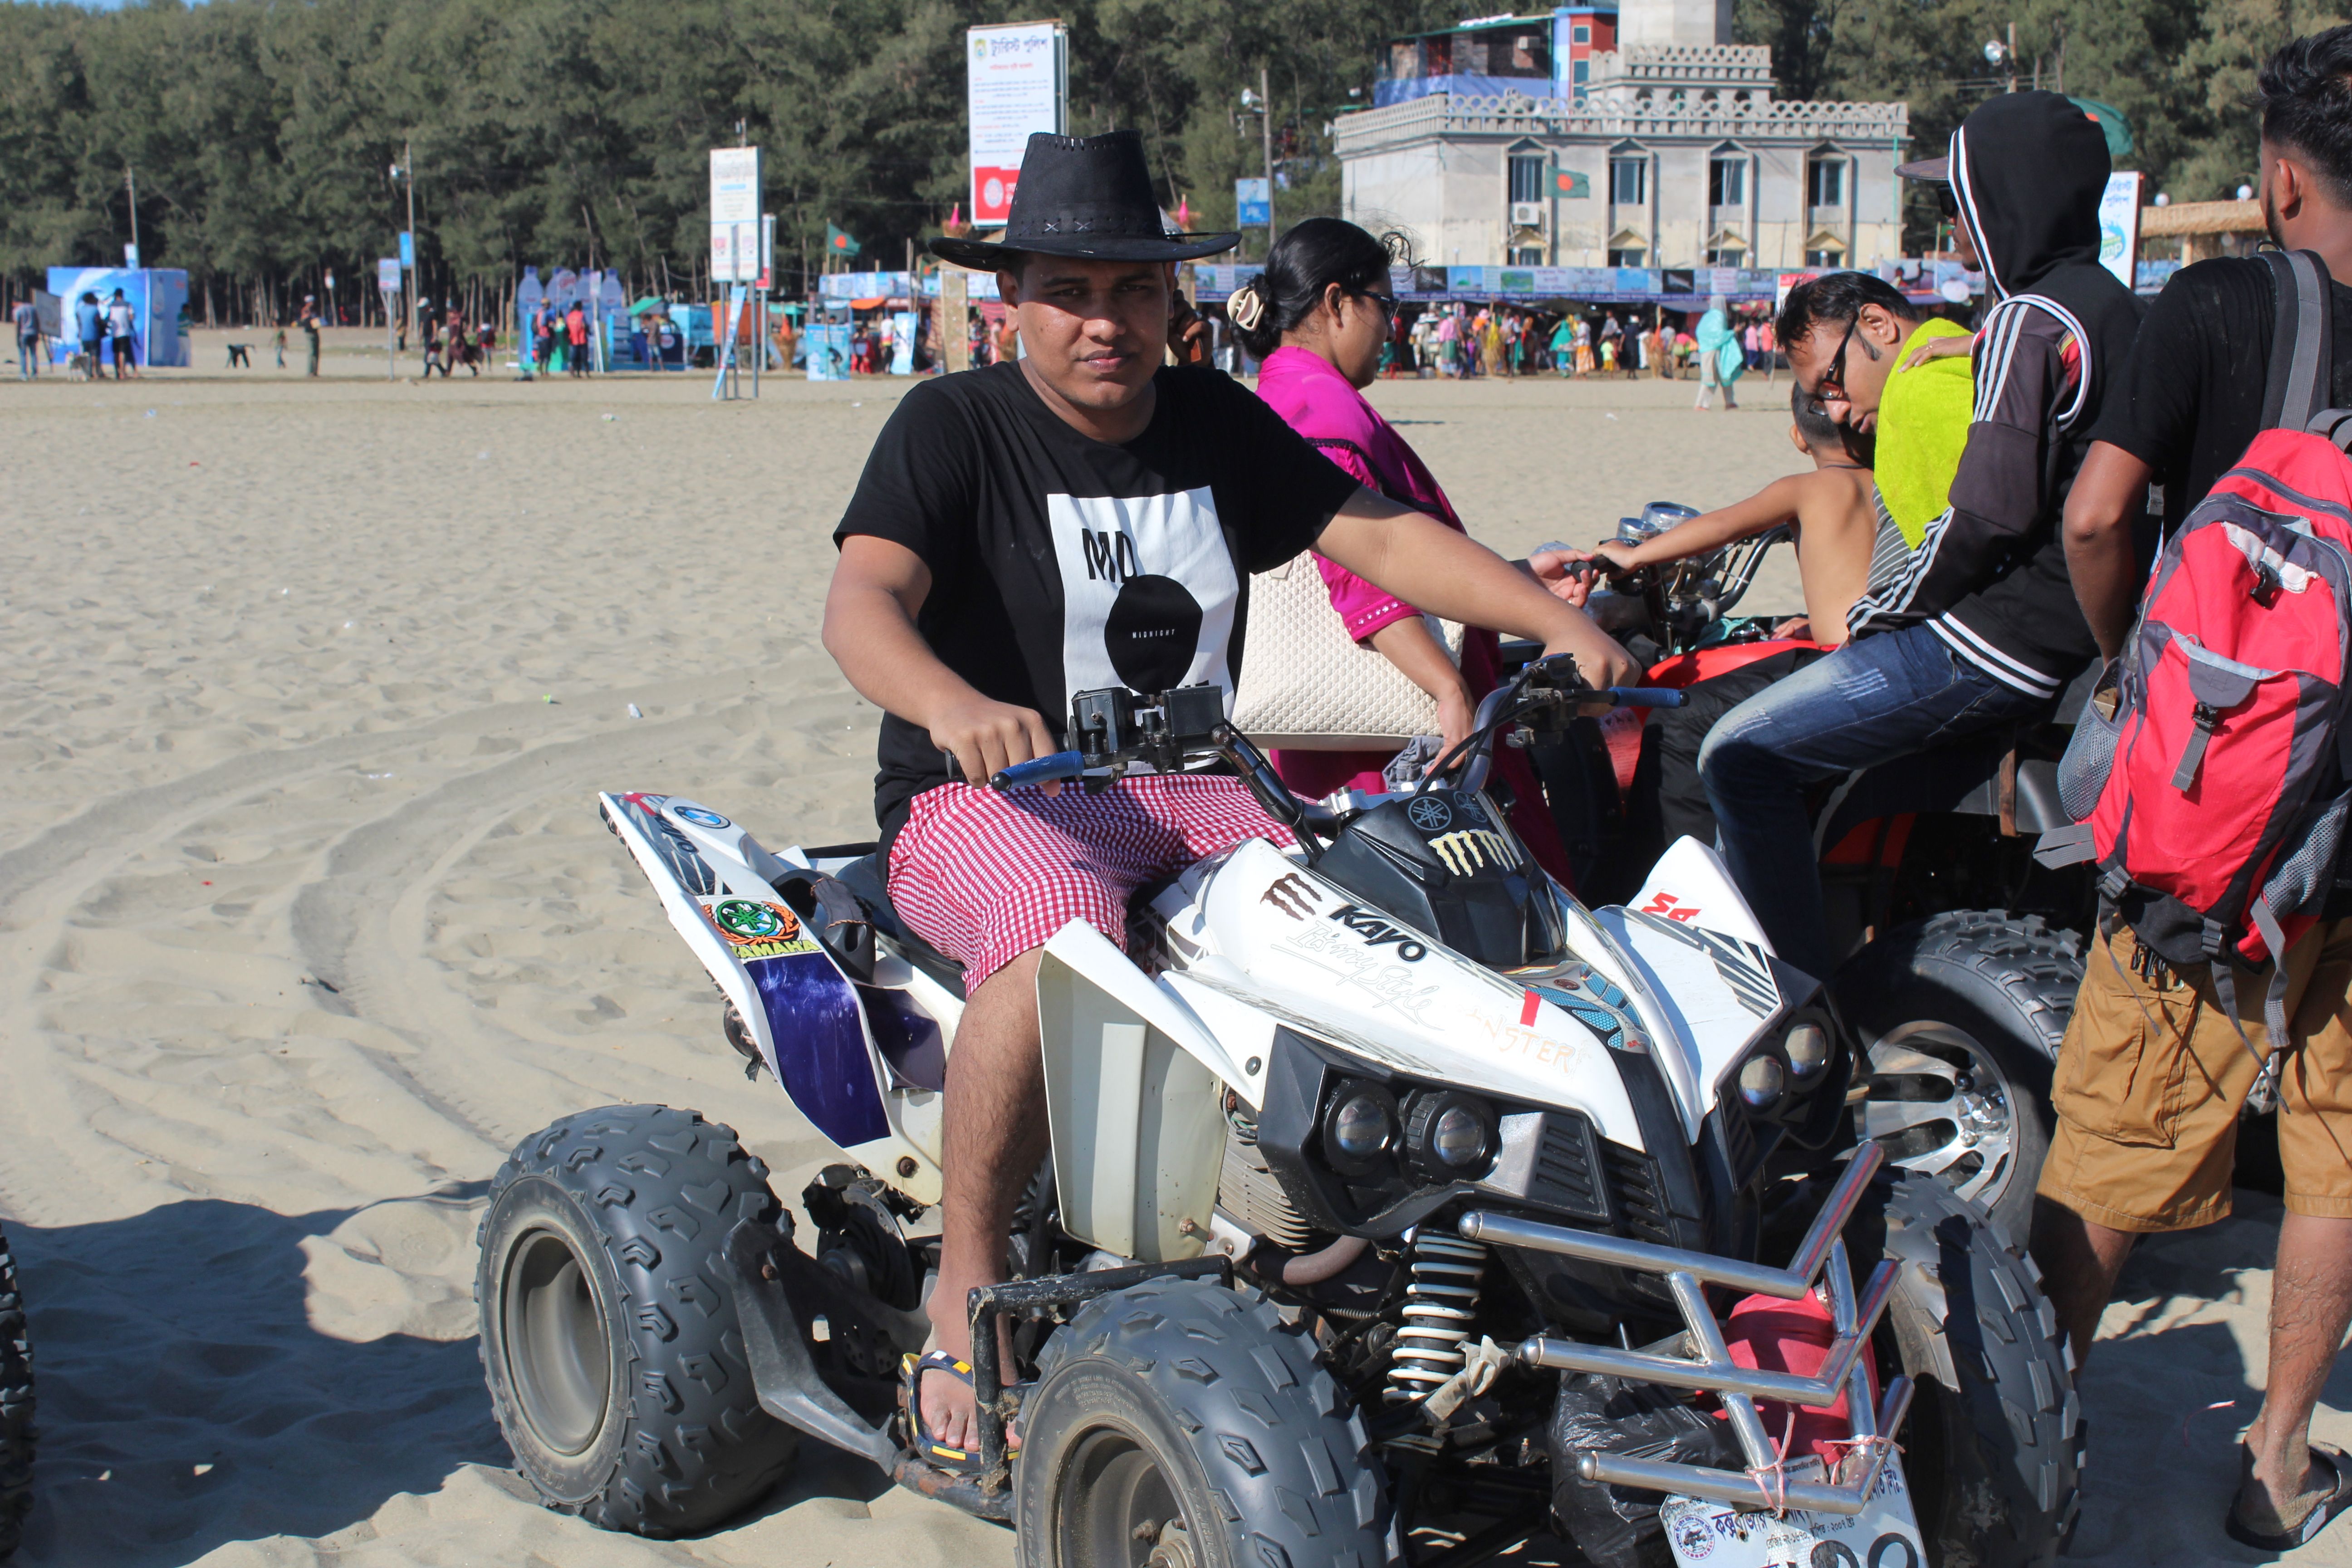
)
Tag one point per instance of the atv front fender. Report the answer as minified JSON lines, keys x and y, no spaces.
{"x":1134,"y":1094}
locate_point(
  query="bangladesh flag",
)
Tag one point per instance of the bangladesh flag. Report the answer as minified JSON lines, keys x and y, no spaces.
{"x":839,"y":244}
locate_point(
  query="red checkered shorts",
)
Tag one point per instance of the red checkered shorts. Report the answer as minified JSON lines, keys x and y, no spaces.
{"x":986,"y":875}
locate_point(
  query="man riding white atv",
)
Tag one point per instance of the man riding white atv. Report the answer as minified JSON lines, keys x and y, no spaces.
{"x":1398,"y":1205}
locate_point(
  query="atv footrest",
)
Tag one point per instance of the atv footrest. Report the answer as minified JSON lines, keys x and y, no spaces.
{"x":989,"y":1301}
{"x":1708,"y":1365}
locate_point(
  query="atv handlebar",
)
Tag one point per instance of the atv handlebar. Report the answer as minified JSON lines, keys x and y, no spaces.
{"x":1117,"y":728}
{"x":1059,"y":767}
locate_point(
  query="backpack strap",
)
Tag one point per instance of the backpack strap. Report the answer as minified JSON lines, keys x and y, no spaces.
{"x":2301,"y":358}
{"x":2069,"y":845}
{"x":2333,"y":426}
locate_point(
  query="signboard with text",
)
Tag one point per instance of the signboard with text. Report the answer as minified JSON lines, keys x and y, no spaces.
{"x":2119,"y":225}
{"x":734,"y":184}
{"x":734,"y":214}
{"x":1019,"y":84}
{"x":1253,"y":203}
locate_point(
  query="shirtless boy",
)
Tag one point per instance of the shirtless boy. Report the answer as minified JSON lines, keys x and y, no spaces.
{"x":1830,"y":510}
{"x":1835,"y":519}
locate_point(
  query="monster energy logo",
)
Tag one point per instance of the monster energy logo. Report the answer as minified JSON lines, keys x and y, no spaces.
{"x":1466,"y":851}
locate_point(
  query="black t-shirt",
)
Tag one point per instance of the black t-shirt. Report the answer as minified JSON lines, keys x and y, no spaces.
{"x":1062,"y":565}
{"x":2192,"y":398}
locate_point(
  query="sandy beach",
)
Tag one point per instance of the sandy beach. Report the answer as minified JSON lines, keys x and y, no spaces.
{"x":306,"y":917}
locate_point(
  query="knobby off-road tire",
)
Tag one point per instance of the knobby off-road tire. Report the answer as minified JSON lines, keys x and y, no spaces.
{"x":608,"y":1326}
{"x":1194,"y":1407}
{"x":16,"y":1406}
{"x":1981,"y":996}
{"x":1994,"y":1444}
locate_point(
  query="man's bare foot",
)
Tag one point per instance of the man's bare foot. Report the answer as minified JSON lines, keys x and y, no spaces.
{"x":950,"y":1411}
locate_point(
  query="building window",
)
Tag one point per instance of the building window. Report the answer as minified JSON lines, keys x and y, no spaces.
{"x":1583,"y":71}
{"x":1826,"y":182}
{"x":1727,"y":256}
{"x":1727,"y":181}
{"x":1582,"y":33}
{"x":1526,"y":255}
{"x":1632,"y":256}
{"x":1825,"y":257}
{"x":1527,"y":176}
{"x":1629,"y":185}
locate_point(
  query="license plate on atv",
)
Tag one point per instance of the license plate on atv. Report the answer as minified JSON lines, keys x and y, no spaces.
{"x":1884,"y":1534}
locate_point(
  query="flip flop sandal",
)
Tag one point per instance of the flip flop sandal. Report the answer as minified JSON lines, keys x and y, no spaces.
{"x":2338,"y":1498}
{"x":911,"y":1367}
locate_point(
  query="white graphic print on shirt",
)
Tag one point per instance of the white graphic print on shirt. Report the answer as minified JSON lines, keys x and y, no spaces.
{"x":1148,"y":591}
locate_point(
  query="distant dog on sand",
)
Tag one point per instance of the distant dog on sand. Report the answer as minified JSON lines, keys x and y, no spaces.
{"x":237,"y":352}
{"x":81,"y":367}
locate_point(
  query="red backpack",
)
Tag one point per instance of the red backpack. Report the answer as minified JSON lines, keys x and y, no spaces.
{"x":2203,"y":776}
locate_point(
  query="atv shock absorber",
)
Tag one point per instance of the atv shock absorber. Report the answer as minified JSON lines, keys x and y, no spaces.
{"x":1440,"y":1300}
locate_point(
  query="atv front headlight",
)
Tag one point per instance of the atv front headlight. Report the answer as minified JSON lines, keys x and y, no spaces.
{"x":1761,"y":1079}
{"x":1359,"y":1127}
{"x":1451,"y":1134}
{"x":1807,"y":1047}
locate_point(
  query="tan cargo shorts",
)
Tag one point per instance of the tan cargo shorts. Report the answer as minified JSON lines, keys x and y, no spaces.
{"x":2150,"y":1081}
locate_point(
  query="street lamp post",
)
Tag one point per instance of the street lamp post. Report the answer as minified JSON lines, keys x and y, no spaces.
{"x":405,"y":171}
{"x":1260,"y":104}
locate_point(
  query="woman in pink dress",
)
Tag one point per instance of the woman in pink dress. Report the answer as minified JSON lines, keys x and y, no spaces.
{"x":1316,"y":318}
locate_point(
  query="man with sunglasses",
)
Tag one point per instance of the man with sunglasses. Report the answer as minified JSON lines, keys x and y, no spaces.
{"x":1978,"y":626}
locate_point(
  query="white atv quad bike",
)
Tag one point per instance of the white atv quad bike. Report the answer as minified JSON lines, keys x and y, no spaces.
{"x":1399,"y":1208}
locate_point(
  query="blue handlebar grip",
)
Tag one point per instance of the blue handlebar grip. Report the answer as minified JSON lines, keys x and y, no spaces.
{"x":1643,"y":696}
{"x":1046,"y":770}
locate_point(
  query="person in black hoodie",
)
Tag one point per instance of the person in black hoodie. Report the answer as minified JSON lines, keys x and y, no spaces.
{"x":1978,"y":627}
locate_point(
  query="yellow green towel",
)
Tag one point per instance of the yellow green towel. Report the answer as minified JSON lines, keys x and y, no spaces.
{"x":1923,"y":424}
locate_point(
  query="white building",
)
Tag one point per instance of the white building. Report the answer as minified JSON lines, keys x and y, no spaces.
{"x":1675,"y":154}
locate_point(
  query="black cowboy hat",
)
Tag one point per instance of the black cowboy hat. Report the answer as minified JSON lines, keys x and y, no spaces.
{"x":1087,"y":196}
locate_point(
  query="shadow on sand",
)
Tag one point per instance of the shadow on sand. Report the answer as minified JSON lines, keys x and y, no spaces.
{"x":186,"y":1401}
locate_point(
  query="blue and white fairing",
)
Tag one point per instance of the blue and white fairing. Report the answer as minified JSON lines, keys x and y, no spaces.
{"x":865,"y":1063}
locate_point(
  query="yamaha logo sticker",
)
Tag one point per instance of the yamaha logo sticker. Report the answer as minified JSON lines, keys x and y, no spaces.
{"x":1430,"y":813}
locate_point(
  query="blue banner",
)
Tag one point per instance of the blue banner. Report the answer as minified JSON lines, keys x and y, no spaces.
{"x":159,"y":307}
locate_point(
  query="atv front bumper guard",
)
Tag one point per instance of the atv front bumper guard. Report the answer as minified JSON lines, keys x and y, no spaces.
{"x":1708,"y":1367}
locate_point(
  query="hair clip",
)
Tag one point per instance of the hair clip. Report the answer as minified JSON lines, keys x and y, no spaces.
{"x":1246,"y":306}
